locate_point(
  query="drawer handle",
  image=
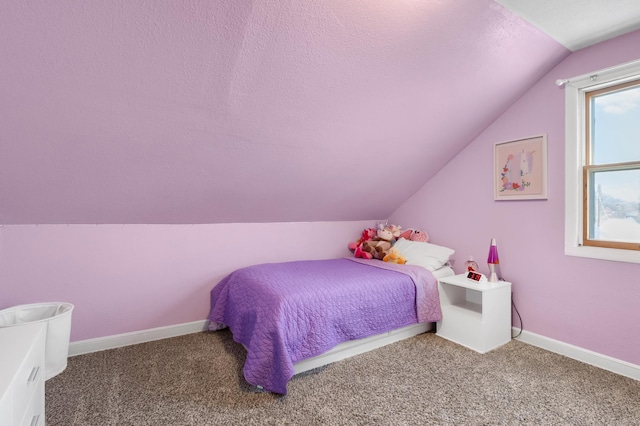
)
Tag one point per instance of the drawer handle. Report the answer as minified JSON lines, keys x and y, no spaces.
{"x":34,"y":374}
{"x":34,"y":420}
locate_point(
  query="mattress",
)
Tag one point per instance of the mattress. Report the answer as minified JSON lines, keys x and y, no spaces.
{"x":286,"y":312}
{"x":358,"y":346}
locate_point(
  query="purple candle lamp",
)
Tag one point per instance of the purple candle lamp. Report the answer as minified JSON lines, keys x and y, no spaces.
{"x":493,"y":260}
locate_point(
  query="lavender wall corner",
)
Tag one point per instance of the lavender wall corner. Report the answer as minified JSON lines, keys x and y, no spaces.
{"x":591,"y":304}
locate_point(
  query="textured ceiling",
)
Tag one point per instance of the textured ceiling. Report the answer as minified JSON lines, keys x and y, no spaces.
{"x":579,"y":23}
{"x":246,"y":111}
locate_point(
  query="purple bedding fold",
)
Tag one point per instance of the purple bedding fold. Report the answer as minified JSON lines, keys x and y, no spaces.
{"x":286,"y":312}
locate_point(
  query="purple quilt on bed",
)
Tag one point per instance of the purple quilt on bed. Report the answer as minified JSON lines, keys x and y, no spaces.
{"x":286,"y":312}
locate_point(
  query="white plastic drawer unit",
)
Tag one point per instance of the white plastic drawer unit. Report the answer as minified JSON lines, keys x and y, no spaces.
{"x":22,"y":371}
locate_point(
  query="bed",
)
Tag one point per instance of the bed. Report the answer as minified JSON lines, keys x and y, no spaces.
{"x":295,"y":316}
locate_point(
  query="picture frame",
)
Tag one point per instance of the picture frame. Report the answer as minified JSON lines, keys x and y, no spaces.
{"x":520,"y":169}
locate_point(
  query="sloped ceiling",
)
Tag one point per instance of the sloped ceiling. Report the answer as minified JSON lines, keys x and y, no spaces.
{"x":246,"y":111}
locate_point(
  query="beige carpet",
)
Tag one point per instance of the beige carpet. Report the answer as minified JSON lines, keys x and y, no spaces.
{"x":197,"y":380}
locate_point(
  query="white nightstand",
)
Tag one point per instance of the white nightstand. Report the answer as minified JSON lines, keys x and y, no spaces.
{"x":475,"y":315}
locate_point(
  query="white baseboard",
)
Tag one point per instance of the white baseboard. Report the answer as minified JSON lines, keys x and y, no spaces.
{"x":348,"y":349}
{"x":135,"y":337}
{"x":605,"y":362}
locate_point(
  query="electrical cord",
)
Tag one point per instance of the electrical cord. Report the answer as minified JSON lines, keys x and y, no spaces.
{"x":520,"y":318}
{"x":518,"y":313}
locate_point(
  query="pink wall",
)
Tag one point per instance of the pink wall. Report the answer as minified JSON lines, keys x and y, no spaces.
{"x":124,"y":278}
{"x":121,"y":122}
{"x":592,"y":304}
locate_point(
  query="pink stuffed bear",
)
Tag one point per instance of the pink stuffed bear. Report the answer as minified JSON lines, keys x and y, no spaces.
{"x":420,"y":236}
{"x":415,"y":235}
{"x":356,"y":247}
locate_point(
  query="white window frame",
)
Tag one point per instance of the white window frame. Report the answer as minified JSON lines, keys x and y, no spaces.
{"x":575,"y":89}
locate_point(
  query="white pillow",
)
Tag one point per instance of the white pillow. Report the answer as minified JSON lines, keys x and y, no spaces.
{"x":427,"y":255}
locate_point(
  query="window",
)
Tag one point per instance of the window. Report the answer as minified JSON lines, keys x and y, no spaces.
{"x":611,"y":173}
{"x":602,"y":214}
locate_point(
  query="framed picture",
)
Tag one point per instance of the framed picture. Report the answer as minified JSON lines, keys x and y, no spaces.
{"x":520,"y":169}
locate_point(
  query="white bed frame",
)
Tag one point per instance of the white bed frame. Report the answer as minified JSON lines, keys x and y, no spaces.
{"x":356,"y":347}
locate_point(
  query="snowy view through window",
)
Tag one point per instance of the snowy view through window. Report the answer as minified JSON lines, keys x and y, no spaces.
{"x":616,"y":126}
{"x":618,"y":221}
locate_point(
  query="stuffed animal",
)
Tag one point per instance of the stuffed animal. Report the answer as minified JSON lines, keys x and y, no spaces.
{"x":360,"y":253}
{"x":394,"y":256}
{"x":356,"y":247}
{"x":395,"y":230}
{"x":379,"y":246}
{"x":414,"y":235}
{"x":406,"y":234}
{"x":420,"y":236}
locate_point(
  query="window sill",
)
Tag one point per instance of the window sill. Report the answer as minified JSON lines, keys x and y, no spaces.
{"x":616,"y":255}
